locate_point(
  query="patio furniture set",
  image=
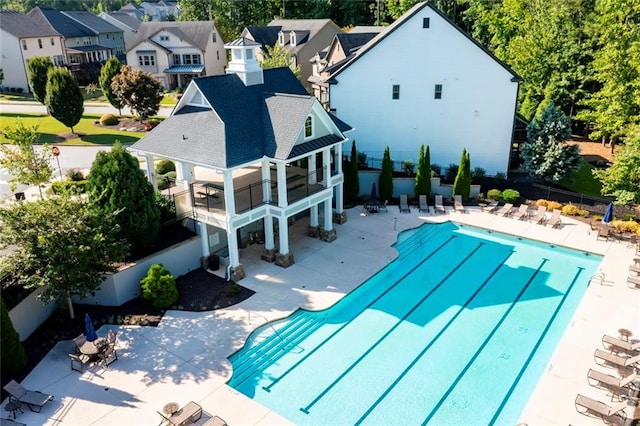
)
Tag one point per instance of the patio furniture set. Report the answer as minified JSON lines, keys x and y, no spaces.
{"x":539,"y":216}
{"x":622,"y":356}
{"x":172,"y":414}
{"x":100,"y":351}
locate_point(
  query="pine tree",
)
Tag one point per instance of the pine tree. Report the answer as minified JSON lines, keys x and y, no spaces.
{"x":109,"y":70}
{"x":13,"y":357}
{"x":462,"y":184}
{"x":64,"y":99}
{"x":385,"y":181}
{"x":37,"y":69}
{"x":423,"y":176}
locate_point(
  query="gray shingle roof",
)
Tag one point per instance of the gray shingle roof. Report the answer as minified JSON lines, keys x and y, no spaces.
{"x":196,"y":33}
{"x":125,"y":19}
{"x":21,"y":25}
{"x":266,"y":36}
{"x":92,"y":21}
{"x":66,"y":26}
{"x":284,"y":118}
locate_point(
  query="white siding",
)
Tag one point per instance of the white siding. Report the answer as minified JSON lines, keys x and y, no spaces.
{"x":476,"y":110}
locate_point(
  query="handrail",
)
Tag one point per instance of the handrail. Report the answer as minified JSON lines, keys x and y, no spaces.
{"x":598,"y":275}
{"x":267,"y":322}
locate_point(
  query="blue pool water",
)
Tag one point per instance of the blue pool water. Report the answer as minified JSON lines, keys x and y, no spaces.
{"x":457,"y":330}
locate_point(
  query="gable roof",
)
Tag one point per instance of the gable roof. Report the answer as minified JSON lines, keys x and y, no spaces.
{"x":404,"y":18}
{"x":351,"y":42}
{"x":305,"y":30}
{"x":61,"y":23}
{"x":125,"y":19}
{"x":266,"y":36}
{"x":93,"y":22}
{"x":21,"y":25}
{"x":197,"y":33}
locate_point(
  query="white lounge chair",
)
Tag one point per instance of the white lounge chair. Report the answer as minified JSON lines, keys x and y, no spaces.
{"x":540,"y":215}
{"x":505,"y":210}
{"x":438,"y":205}
{"x":615,"y":360}
{"x":490,"y":208}
{"x":404,"y":204}
{"x":633,"y":282}
{"x":588,"y":406}
{"x":554,"y":220}
{"x":617,"y":386}
{"x":614,"y":344}
{"x":523,"y":211}
{"x":457,"y":203}
{"x":422,"y":203}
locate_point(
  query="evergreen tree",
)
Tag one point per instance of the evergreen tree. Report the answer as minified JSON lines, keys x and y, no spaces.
{"x":109,"y":70}
{"x":13,"y":358}
{"x":352,"y":177}
{"x":423,"y":175}
{"x":385,"y":180}
{"x":37,"y":69}
{"x":139,"y":90}
{"x":117,"y":185}
{"x":462,"y":183}
{"x":551,"y":123}
{"x":64,"y":99}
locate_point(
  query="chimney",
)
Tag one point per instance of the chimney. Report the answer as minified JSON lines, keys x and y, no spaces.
{"x":243,"y":61}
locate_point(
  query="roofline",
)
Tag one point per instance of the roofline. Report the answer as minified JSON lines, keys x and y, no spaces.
{"x":381,"y":36}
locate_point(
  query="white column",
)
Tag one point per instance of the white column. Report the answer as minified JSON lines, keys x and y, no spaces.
{"x":339,"y":197}
{"x":326,"y":167}
{"x":328,"y":216}
{"x":184,"y":174}
{"x":282,"y":185}
{"x":232,"y":241}
{"x":269,"y":243}
{"x":266,"y":181}
{"x":313,"y":216}
{"x":338,"y":158}
{"x":313,"y":176}
{"x":204,"y":239}
{"x":151,"y":173}
{"x":283,"y":234}
{"x":229,"y":200}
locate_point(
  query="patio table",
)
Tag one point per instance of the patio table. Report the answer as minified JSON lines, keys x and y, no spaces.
{"x":93,"y":348}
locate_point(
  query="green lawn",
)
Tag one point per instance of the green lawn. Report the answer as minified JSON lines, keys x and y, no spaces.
{"x":583,"y":181}
{"x":49,"y":129}
{"x":95,"y":97}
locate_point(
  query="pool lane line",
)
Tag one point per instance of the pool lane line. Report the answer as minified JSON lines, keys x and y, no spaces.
{"x":387,"y":333}
{"x":535,"y":348}
{"x":432,"y":342}
{"x":399,"y":280}
{"x":484,"y":343}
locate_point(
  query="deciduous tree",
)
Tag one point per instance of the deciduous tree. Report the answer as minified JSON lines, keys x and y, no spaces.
{"x":139,"y":90}
{"x":622,"y":179}
{"x":37,"y":70}
{"x":64,"y":99}
{"x":109,"y":70}
{"x":277,"y":56}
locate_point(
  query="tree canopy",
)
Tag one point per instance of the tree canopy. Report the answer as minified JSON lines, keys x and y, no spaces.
{"x":622,"y":179}
{"x":139,"y":90}
{"x":277,"y":56}
{"x":37,"y":69}
{"x":109,"y":70}
{"x":64,"y":99}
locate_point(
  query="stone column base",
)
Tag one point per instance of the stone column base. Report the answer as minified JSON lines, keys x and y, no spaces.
{"x":269,"y":254}
{"x":284,"y":260}
{"x":340,"y":218}
{"x":237,"y":273}
{"x":313,"y":231}
{"x":328,"y":236}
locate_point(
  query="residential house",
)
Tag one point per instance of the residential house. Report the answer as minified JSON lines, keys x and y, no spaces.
{"x":341,"y":50}
{"x":152,"y":11}
{"x":268,"y":151}
{"x":134,"y":10}
{"x":127,"y":23}
{"x":176,"y":52}
{"x":425,"y":81}
{"x":22,"y":38}
{"x":303,"y":38}
{"x":109,"y":35}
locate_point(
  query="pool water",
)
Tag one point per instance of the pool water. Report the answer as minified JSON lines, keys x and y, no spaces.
{"x":457,"y":330}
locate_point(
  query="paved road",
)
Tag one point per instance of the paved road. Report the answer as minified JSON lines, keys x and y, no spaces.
{"x":35,"y":107}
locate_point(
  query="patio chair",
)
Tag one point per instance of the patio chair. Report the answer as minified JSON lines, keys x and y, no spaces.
{"x":78,"y":361}
{"x":505,"y":210}
{"x":457,"y":203}
{"x":112,"y":337}
{"x":540,"y":215}
{"x":422,"y":203}
{"x":603,"y":233}
{"x":613,"y":344}
{"x":554,"y":220}
{"x":633,"y":282}
{"x":108,"y":356}
{"x":439,"y":207}
{"x":79,"y":341}
{"x":608,"y":414}
{"x":617,"y":386}
{"x":605,"y":358}
{"x":404,"y":204}
{"x":383,"y":207}
{"x":523,"y":211}
{"x":215,"y":421}
{"x":491,"y":207}
{"x":35,"y":400}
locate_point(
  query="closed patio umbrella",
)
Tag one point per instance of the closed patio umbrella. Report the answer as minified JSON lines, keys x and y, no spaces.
{"x":88,"y":328}
{"x":608,"y":215}
{"x":374,"y":195}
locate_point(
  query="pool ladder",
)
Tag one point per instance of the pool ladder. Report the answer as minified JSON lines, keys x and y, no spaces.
{"x":599,"y":275}
{"x":266,"y":321}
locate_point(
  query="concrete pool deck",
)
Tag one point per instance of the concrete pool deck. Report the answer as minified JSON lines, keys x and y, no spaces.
{"x":185,"y":358}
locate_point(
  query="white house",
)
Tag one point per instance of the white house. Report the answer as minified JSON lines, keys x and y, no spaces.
{"x":22,"y":38}
{"x":425,"y":81}
{"x":269,"y":150}
{"x":176,"y":52}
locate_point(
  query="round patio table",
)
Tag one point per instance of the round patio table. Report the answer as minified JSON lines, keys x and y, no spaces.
{"x":170,"y":408}
{"x":625,"y":334}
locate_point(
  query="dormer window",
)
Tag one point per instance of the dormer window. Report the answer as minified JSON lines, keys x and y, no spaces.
{"x":164,"y":38}
{"x":281,"y":38}
{"x":292,"y":38}
{"x":249,"y":54}
{"x":308,"y":127}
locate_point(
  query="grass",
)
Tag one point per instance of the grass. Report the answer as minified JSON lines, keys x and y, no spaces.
{"x":95,"y":97}
{"x":49,"y":129}
{"x":583,"y":181}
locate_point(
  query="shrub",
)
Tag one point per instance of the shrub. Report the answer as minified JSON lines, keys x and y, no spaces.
{"x":75,"y":175}
{"x":494,"y":194}
{"x":408,"y":167}
{"x":570,"y":210}
{"x":232,"y":289}
{"x":553,"y":205}
{"x":165,"y":166}
{"x":13,"y":357}
{"x":166,"y":206}
{"x":159,"y":287}
{"x":74,"y":187}
{"x":108,"y":120}
{"x":510,"y":196}
{"x":626,"y":226}
{"x":542,"y":202}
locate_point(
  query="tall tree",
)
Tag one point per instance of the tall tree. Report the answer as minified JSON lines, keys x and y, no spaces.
{"x":622,"y":179}
{"x":37,"y":69}
{"x":551,"y":122}
{"x":423,"y":175}
{"x":352,"y":180}
{"x":13,"y":358}
{"x":277,"y":56}
{"x":64,"y":99}
{"x":139,"y":90}
{"x":24,"y":163}
{"x":60,"y":244}
{"x":109,"y":70}
{"x":116,"y":185}
{"x":462,"y":183}
{"x":385,"y":180}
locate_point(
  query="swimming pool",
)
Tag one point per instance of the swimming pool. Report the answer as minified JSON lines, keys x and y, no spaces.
{"x":456,"y":330}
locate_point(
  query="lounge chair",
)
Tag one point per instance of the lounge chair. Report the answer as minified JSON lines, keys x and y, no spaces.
{"x":540,"y":215}
{"x":523,"y":211}
{"x":603,"y":233}
{"x":617,"y":386}
{"x":404,"y":204}
{"x":491,"y":207}
{"x":35,"y":400}
{"x":457,"y":203}
{"x":613,"y":344}
{"x":633,"y":282}
{"x":9,"y":422}
{"x":190,"y":413}
{"x":588,"y":406}
{"x":383,"y":207}
{"x":605,"y":358}
{"x":635,"y":268}
{"x":438,"y":205}
{"x":422,"y":204}
{"x":554,"y":220}
{"x":215,"y":421}
{"x":505,"y":210}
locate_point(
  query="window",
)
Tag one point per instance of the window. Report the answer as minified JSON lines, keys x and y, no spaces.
{"x":190,"y":59}
{"x":53,"y":43}
{"x":164,"y":38}
{"x":147,"y":60}
{"x":40,"y":43}
{"x":24,"y":44}
{"x":308,"y":127}
{"x":438,"y":92}
{"x":218,"y":55}
{"x":425,"y":22}
{"x":292,"y":39}
{"x":176,"y":59}
{"x":395,"y":93}
{"x":213,"y":37}
{"x":249,"y":54}
{"x":281,"y":38}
